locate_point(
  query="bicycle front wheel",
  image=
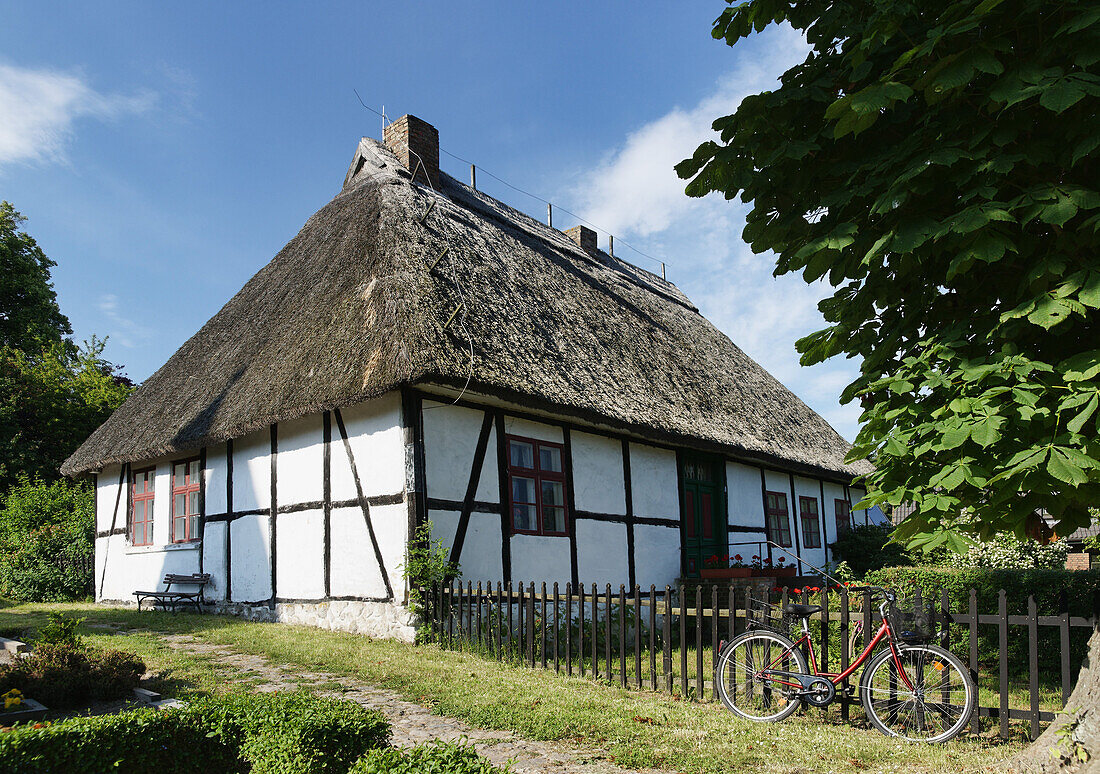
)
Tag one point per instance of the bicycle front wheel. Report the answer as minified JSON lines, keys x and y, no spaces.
{"x":757,"y":676}
{"x":932,"y":702}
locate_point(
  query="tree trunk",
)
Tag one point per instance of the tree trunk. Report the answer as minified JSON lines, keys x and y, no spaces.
{"x":1072,"y":742}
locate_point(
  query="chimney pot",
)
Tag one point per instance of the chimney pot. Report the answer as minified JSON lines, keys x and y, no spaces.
{"x":584,"y":237}
{"x":416,"y":145}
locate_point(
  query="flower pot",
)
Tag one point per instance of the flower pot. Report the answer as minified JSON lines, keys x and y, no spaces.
{"x":725,"y":572}
{"x":783,"y":572}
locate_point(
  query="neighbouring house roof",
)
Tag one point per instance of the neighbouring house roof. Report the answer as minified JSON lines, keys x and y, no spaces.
{"x":358,"y":303}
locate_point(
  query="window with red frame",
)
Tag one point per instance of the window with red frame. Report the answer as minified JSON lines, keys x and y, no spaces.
{"x":777,"y":519}
{"x":536,"y":484}
{"x":811,"y":522}
{"x":186,"y":484}
{"x":141,"y":506}
{"x":843,"y":510}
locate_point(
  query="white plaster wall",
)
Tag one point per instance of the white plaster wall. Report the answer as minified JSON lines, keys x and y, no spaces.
{"x":354,"y":569}
{"x":213,"y":558}
{"x":300,"y":554}
{"x":374,"y":433}
{"x":391,"y":527}
{"x":536,"y":430}
{"x":250,"y":554}
{"x":300,"y":462}
{"x":833,"y":492}
{"x":656,"y":555}
{"x":216,"y":470}
{"x":777,"y":481}
{"x":746,"y":502}
{"x":653,"y":483}
{"x":537,"y":558}
{"x":107,"y":493}
{"x":601,"y":553}
{"x":481,"y":550}
{"x":130,"y":569}
{"x":251,"y":477}
{"x":450,"y":440}
{"x":598,"y":474}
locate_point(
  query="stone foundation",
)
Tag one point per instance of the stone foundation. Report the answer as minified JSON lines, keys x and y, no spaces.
{"x":383,"y":620}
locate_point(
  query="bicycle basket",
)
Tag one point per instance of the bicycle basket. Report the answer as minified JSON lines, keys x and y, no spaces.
{"x":762,"y":615}
{"x":913,"y":617}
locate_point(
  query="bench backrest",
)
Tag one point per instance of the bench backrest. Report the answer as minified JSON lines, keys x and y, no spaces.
{"x":197,"y":579}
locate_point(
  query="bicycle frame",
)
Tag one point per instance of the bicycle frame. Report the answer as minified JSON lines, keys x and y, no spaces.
{"x":884,"y":632}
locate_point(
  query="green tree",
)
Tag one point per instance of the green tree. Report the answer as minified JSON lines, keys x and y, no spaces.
{"x":29,"y":315}
{"x":50,"y":401}
{"x":937,"y":163}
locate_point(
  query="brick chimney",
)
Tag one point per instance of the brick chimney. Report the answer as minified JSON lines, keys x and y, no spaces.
{"x":416,"y":144}
{"x":584,"y":237}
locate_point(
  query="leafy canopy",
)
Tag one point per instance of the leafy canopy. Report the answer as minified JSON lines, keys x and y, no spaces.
{"x":29,"y":314}
{"x":936,"y":162}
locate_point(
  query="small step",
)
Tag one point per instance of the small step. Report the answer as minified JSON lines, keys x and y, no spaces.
{"x":168,"y":703}
{"x":147,"y":696}
{"x":14,"y":646}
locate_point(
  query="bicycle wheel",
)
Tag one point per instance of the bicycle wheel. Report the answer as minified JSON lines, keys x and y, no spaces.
{"x":935,"y":709}
{"x":746,"y":676}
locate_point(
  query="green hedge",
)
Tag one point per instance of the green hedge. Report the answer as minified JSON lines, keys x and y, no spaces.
{"x":263,"y":733}
{"x":1047,"y":586}
{"x":432,"y":758}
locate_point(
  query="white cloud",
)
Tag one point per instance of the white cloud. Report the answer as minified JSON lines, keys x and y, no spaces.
{"x":635,"y":194}
{"x":39,"y":107}
{"x":122,"y":329}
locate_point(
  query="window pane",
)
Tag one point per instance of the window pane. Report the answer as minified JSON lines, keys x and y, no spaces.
{"x":523,"y":490}
{"x":522,"y":454}
{"x":194,"y":528}
{"x":194,"y":472}
{"x":523,"y":517}
{"x":178,"y":505}
{"x":552,"y":493}
{"x":179,"y":474}
{"x":193,"y":503}
{"x":550,"y":459}
{"x":553,"y":519}
{"x":809,"y":507}
{"x":178,"y":528}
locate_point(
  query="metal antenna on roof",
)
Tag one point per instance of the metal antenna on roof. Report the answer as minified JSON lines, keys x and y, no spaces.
{"x":611,"y":244}
{"x":473,"y":177}
{"x":549,"y":214}
{"x":383,"y":138}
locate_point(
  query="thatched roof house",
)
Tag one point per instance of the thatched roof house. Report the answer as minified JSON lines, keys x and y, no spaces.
{"x":423,"y":282}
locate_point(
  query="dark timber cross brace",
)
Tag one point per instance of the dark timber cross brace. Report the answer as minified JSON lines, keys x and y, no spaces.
{"x":471,"y":487}
{"x":363,"y":503}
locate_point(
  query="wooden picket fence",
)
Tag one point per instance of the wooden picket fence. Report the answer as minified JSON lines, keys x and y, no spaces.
{"x":668,"y":639}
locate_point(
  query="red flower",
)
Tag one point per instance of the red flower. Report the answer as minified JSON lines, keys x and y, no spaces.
{"x":796,"y":591}
{"x":814,"y":588}
{"x":737,"y":557}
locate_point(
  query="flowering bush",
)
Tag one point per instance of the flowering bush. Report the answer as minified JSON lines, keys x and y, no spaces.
{"x":716,"y":562}
{"x":1007,"y":552}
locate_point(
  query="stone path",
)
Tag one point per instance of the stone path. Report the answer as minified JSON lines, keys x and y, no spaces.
{"x":411,"y":723}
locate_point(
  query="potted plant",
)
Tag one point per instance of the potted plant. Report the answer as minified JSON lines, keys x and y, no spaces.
{"x":725,"y":567}
{"x":782,"y":569}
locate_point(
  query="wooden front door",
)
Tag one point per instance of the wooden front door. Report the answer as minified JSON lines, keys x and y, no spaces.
{"x":703,"y":511}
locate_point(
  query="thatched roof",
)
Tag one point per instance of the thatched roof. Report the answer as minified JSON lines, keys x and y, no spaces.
{"x":352,"y":307}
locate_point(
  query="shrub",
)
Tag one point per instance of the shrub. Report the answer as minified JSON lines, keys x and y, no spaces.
{"x":865,"y":548}
{"x":428,"y":758}
{"x":46,"y":541}
{"x":1049,"y":587}
{"x":62,"y":677}
{"x":1008,"y":552}
{"x":247,"y":733}
{"x":61,"y":630}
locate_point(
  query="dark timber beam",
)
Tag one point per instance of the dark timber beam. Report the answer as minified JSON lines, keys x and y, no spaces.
{"x":273,"y":507}
{"x":326,"y":496}
{"x":471,"y":487}
{"x":505,"y":517}
{"x":229,"y":520}
{"x":630,"y":566}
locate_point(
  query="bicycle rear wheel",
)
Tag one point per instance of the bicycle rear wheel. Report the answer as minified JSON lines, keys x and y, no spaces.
{"x":937,"y":706}
{"x":747,"y":679}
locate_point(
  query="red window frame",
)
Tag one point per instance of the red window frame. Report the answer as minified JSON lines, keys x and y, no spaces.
{"x":145,"y":498}
{"x":843,"y":511}
{"x":539,"y":475}
{"x":192,"y":485}
{"x":811,"y":522}
{"x":777,"y":519}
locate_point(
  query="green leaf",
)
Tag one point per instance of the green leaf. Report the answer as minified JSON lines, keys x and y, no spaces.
{"x":952,"y":439}
{"x":1089,"y":294}
{"x":1061,"y":95}
{"x":1062,"y":469}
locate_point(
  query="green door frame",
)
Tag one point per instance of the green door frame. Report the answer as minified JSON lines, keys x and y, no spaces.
{"x":704,"y":515}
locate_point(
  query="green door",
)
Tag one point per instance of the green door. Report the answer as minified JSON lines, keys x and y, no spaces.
{"x":703,"y":510}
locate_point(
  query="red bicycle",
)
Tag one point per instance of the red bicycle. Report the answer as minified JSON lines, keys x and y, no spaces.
{"x":909,"y":689}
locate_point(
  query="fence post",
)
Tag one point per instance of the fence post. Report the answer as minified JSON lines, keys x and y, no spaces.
{"x":825,"y":626}
{"x":607,"y":636}
{"x":731,"y":627}
{"x":580,"y":631}
{"x":975,"y":723}
{"x":637,"y":636}
{"x":699,"y":695}
{"x":683,"y":642}
{"x":653,"y":636}
{"x":531,"y":625}
{"x":1002,"y":646}
{"x":1033,"y":663}
{"x":595,"y":632}
{"x":666,"y":653}
{"x":557,"y":628}
{"x":622,"y":635}
{"x":542,"y":639}
{"x":569,"y":629}
{"x":479,"y":627}
{"x":714,"y":623}
{"x":844,"y":655}
{"x":1063,"y":636}
{"x":511,"y":621}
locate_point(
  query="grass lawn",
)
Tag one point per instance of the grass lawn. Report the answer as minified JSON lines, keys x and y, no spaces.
{"x":636,"y":729}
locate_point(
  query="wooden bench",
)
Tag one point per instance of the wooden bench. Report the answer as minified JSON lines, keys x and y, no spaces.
{"x":172,"y":600}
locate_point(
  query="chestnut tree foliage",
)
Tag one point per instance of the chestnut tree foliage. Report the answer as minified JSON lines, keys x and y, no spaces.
{"x":938,"y":163}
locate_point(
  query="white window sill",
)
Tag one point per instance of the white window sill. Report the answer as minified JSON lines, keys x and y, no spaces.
{"x":194,"y":546}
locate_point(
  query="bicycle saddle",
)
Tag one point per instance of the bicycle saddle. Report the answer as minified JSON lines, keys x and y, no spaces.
{"x":801,"y":611}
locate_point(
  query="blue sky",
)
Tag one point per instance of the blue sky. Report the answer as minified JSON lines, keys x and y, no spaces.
{"x":163,"y":153}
